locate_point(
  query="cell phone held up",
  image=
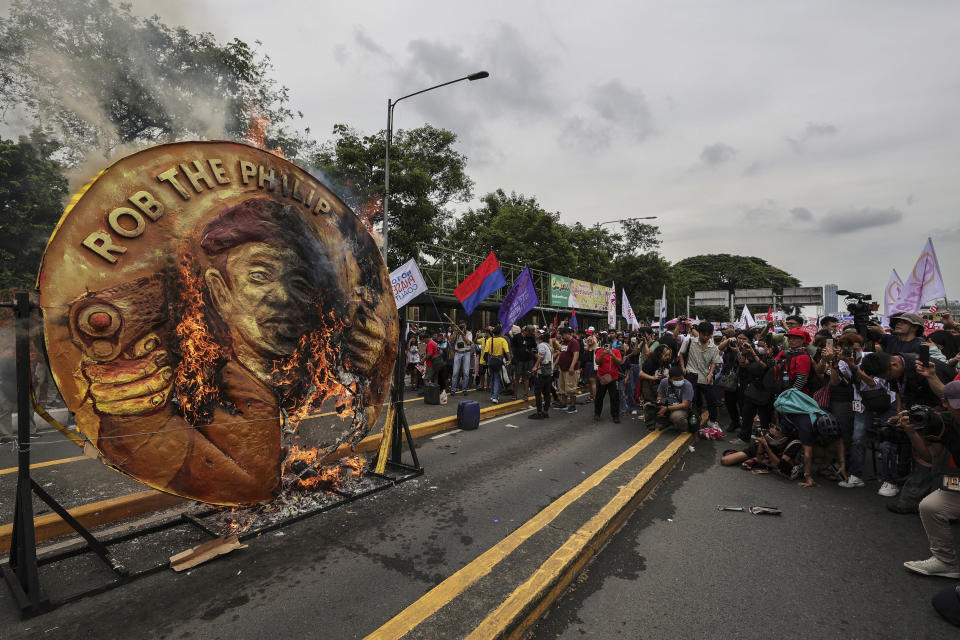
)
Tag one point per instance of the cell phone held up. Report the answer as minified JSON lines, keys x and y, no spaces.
{"x":923,"y":354}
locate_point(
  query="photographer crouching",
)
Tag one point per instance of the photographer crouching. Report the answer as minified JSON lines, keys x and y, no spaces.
{"x":931,"y":431}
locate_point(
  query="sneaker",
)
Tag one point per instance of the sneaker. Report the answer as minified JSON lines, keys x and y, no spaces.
{"x":571,"y":409}
{"x":933,"y":566}
{"x":494,"y":400}
{"x":536,"y":416}
{"x":633,"y":412}
{"x":850,"y":483}
{"x":888,"y":490}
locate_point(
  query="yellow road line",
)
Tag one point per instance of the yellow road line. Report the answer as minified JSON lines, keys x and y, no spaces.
{"x":443,"y":593}
{"x":51,"y":463}
{"x":572,"y":555}
{"x":48,"y":463}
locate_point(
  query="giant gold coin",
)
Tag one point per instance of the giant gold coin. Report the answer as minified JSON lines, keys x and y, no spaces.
{"x":211,"y":312}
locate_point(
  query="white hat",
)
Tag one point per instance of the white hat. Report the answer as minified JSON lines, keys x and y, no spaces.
{"x":590,"y":329}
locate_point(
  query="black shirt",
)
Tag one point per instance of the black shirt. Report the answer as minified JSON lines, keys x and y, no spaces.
{"x":893,"y":345}
{"x":914,"y":388}
{"x":523,"y":347}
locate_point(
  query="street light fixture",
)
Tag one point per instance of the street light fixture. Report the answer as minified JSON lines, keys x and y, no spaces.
{"x":479,"y":75}
{"x":600,"y":224}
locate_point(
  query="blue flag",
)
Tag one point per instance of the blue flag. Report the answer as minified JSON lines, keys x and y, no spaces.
{"x":481,"y":283}
{"x":521,"y":298}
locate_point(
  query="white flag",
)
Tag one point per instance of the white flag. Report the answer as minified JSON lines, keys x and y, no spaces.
{"x":407,"y":283}
{"x":892,"y":293}
{"x":612,"y":306}
{"x":627,"y":312}
{"x":924,"y":283}
{"x":746,"y":318}
{"x":663,"y":309}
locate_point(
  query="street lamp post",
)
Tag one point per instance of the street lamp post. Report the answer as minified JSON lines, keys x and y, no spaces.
{"x":600,"y":224}
{"x":386,"y":178}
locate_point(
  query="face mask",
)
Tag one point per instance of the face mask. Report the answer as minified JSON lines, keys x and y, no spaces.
{"x":677,"y":383}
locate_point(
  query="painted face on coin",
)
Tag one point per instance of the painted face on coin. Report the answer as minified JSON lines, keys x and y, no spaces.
{"x":213,"y":312}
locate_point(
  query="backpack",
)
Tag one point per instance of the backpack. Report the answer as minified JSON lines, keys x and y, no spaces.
{"x":777,"y":377}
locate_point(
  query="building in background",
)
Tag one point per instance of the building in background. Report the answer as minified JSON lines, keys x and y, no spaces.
{"x":831,"y":302}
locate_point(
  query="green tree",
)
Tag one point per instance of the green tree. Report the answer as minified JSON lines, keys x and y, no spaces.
{"x":97,"y":77}
{"x":427,"y":175}
{"x":729,"y":272}
{"x":32,"y":190}
{"x":518,"y":229}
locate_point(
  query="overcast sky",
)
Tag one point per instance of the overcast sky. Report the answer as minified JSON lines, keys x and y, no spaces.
{"x":821,"y":136}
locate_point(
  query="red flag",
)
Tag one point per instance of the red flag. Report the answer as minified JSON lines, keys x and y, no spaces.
{"x":770,"y":315}
{"x":554,"y":330}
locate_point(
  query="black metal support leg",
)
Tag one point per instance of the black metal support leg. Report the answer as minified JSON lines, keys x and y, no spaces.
{"x":20,"y":571}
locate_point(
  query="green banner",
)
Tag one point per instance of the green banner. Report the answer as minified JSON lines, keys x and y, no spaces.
{"x":559,"y":290}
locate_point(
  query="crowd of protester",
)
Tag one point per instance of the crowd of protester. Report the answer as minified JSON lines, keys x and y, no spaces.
{"x":850,"y":405}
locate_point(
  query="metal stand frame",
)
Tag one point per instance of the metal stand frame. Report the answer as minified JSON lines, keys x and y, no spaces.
{"x":400,"y":427}
{"x":21,"y":571}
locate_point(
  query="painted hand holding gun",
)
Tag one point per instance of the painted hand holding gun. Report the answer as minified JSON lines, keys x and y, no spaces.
{"x":124,"y":370}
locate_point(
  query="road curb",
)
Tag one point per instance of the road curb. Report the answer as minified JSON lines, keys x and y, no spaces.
{"x":95,"y":514}
{"x":104,"y":512}
{"x":527,"y":604}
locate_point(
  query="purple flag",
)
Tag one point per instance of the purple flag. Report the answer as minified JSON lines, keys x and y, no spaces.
{"x":521,"y":298}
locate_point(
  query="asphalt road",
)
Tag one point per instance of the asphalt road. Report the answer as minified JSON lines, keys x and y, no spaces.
{"x":829,"y":567}
{"x":344,"y":573}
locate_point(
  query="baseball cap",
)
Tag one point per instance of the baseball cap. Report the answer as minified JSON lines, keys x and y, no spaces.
{"x":947,"y":603}
{"x":951,"y":393}
{"x":591,"y":329}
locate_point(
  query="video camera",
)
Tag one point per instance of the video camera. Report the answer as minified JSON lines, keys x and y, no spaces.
{"x":858,"y":308}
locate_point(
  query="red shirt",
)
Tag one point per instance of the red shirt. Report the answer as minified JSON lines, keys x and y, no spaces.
{"x":567,"y":349}
{"x":432,"y":351}
{"x":800,"y":364}
{"x":606,"y":365}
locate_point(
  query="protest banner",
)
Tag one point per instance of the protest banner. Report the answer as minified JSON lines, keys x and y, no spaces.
{"x":407,"y":283}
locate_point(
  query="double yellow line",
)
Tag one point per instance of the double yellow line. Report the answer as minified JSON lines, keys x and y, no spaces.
{"x":446,"y":591}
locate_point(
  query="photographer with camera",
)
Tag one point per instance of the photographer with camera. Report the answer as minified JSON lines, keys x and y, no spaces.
{"x":873,"y":403}
{"x":755,"y":392}
{"x":906,"y":336}
{"x":674,"y":399}
{"x":931,"y":430}
{"x":655,"y":368}
{"x":608,"y":361}
{"x":699,"y":358}
{"x":918,"y":382}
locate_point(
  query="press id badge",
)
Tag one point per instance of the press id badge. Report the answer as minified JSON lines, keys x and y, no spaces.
{"x":951,"y":483}
{"x":858,"y":406}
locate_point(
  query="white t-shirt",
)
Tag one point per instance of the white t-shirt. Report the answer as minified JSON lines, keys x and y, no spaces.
{"x":459,"y":345}
{"x":878,"y":383}
{"x":546,"y":358}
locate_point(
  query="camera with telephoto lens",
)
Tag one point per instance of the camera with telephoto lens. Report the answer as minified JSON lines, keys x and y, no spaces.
{"x":858,"y":308}
{"x":882,"y":431}
{"x":662,"y":402}
{"x":924,"y":419}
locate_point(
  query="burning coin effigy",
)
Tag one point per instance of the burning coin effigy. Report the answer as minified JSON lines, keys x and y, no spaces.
{"x":214,"y":317}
